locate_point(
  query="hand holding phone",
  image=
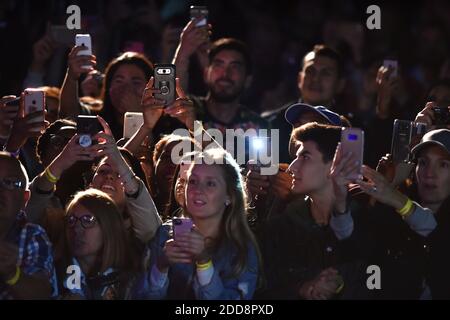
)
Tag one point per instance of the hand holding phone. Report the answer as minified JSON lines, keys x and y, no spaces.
{"x":34,"y":101}
{"x":164,"y":80}
{"x":87,"y":127}
{"x":181,"y":225}
{"x":84,"y":40}
{"x":352,"y":141}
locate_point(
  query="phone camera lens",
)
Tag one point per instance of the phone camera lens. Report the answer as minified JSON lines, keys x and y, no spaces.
{"x":164,"y":90}
{"x":33,"y":102}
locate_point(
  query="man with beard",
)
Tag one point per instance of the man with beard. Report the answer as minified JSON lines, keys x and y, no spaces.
{"x":320,"y":80}
{"x":227,"y":75}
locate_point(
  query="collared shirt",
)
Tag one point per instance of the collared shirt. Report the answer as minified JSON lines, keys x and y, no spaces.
{"x":35,"y":254}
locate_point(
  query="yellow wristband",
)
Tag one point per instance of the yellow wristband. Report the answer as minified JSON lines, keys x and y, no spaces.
{"x":406,"y":208}
{"x":14,"y":279}
{"x":204,"y":266}
{"x":50,"y":177}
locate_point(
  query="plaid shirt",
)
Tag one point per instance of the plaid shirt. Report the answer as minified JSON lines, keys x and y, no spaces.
{"x":35,"y":254}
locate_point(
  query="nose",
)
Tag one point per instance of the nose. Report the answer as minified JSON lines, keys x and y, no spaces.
{"x":110,"y":176}
{"x":430,"y":171}
{"x":292,"y":167}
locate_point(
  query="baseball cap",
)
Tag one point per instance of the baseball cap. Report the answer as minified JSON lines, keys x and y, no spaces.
{"x":440,"y":137}
{"x":295,"y":111}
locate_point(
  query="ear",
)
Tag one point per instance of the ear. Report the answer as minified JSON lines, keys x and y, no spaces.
{"x":248,"y":81}
{"x":341,"y":85}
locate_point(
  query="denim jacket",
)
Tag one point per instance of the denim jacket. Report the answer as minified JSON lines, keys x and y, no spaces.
{"x":182,"y":281}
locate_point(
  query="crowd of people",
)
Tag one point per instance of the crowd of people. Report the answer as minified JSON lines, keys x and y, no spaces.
{"x":117,"y":218}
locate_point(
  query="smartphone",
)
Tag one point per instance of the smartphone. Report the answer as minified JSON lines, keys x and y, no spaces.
{"x":14,"y":102}
{"x":34,"y":101}
{"x":401,"y":140}
{"x":352,"y":140}
{"x":200,"y":12}
{"x":181,"y":225}
{"x":164,"y":76}
{"x":418,"y":131}
{"x":260,"y":150}
{"x":441,"y":116}
{"x":62,"y":35}
{"x":393,"y":64}
{"x":84,"y":40}
{"x":87,"y":127}
{"x":132,"y":121}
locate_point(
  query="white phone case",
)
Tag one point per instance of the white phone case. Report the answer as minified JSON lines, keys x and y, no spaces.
{"x":84,"y":39}
{"x":131,"y":124}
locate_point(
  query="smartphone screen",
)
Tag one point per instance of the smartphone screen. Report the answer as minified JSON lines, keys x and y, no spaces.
{"x":352,"y":140}
{"x":164,"y":76}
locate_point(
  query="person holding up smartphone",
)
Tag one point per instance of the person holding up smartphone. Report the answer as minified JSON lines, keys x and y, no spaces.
{"x":29,"y":122}
{"x":219,"y":258}
{"x":412,"y":226}
{"x":194,"y":39}
{"x":69,"y":91}
{"x":315,"y":247}
{"x":153,"y":109}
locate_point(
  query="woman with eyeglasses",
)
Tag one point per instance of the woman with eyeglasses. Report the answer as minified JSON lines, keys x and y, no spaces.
{"x":218,"y":257}
{"x":98,"y":265}
{"x":114,"y":176}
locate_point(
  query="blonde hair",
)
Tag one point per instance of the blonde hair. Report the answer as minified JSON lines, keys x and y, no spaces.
{"x":234,"y":226}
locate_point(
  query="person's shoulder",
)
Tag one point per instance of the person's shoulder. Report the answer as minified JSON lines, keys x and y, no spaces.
{"x":271,"y":115}
{"x":246,"y":114}
{"x":32,"y":230}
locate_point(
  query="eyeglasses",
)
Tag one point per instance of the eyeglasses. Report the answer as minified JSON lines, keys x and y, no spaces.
{"x":12,"y":184}
{"x":87,"y":221}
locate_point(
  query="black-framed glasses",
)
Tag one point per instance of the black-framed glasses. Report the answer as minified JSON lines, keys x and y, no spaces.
{"x":12,"y":184}
{"x":87,"y":221}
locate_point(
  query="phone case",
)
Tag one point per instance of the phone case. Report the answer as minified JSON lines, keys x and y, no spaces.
{"x":199,"y":12}
{"x":401,"y":140}
{"x":131,"y":123}
{"x":164,"y":76}
{"x":181,"y":225}
{"x":352,"y":140}
{"x":34,"y":100}
{"x":87,"y":127}
{"x":84,"y":39}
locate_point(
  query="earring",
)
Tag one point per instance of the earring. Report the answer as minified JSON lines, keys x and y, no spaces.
{"x":227,"y":203}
